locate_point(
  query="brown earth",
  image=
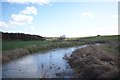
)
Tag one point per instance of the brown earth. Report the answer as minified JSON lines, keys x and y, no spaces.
{"x":13,"y":54}
{"x":94,"y":61}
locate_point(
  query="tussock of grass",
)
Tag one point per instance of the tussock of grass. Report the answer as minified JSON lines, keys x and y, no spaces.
{"x":12,"y":47}
{"x":94,"y":62}
{"x":36,"y":46}
{"x":16,"y":53}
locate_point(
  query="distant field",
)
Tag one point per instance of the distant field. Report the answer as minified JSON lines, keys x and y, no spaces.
{"x":100,"y":38}
{"x":9,"y":45}
{"x":21,"y":48}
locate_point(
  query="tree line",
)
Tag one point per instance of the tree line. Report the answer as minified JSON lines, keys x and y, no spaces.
{"x":20,"y":36}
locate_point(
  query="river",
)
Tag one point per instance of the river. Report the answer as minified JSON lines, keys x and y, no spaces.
{"x":50,"y":64}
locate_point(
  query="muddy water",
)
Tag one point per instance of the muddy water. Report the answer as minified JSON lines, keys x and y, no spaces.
{"x":49,"y":64}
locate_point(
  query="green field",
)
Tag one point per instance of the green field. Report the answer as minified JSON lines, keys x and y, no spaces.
{"x":35,"y":45}
{"x":9,"y":45}
{"x":100,"y":38}
{"x":22,"y":48}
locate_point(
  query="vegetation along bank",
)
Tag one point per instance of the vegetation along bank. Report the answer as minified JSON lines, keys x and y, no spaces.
{"x":15,"y":48}
{"x":97,"y":61}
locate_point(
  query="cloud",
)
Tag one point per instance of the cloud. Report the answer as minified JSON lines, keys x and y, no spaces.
{"x":29,"y":10}
{"x":24,"y":16}
{"x":115,"y":16}
{"x":88,"y":14}
{"x":3,"y":25}
{"x":41,"y":2}
{"x":20,"y":19}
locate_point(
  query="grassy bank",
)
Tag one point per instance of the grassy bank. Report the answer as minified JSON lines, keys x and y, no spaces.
{"x":97,"y":61}
{"x":99,"y":39}
{"x":16,"y":49}
{"x":33,"y":46}
{"x":10,"y":45}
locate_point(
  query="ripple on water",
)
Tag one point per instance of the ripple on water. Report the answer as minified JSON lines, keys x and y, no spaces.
{"x":48,"y":64}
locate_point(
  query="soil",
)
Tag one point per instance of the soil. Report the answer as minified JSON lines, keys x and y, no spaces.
{"x":16,"y":53}
{"x":94,"y":61}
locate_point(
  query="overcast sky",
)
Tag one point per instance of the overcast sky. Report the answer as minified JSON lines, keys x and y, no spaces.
{"x":55,"y":18}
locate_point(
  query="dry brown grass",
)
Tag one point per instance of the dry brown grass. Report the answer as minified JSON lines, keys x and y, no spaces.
{"x":94,"y":62}
{"x":16,"y":53}
{"x":0,"y":57}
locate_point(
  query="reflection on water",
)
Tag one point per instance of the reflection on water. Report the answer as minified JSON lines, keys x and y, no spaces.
{"x":48,"y":64}
{"x":0,"y":71}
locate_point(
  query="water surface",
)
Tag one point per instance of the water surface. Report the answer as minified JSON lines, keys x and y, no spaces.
{"x":48,"y":64}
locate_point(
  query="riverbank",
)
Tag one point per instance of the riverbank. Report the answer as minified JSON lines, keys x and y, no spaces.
{"x":16,"y":49}
{"x":96,"y":61}
{"x":31,"y":49}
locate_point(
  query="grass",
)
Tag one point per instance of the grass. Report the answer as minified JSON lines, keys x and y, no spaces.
{"x":101,"y":38}
{"x":17,"y":49}
{"x":22,"y":48}
{"x":95,"y":62}
{"x":110,"y":49}
{"x":51,"y":45}
{"x":9,"y":45}
{"x":35,"y":45}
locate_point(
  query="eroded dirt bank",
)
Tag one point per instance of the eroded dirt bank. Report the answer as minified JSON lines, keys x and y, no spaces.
{"x":7,"y":56}
{"x":95,"y":61}
{"x":16,"y":53}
